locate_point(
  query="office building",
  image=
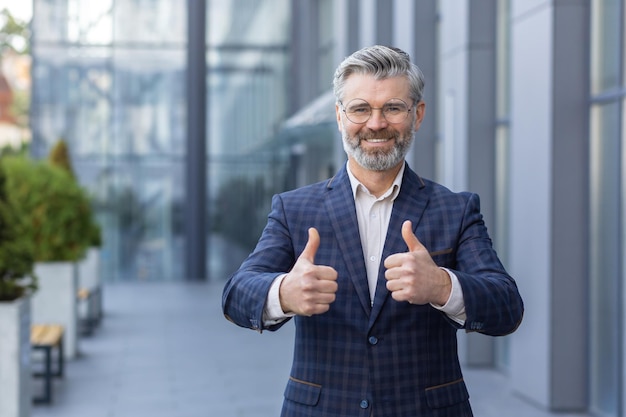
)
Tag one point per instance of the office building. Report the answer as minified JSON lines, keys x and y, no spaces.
{"x":524,"y":106}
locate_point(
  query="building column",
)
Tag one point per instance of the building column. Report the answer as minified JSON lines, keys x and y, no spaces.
{"x":467,"y":122}
{"x":424,"y":54}
{"x":549,"y":194}
{"x":196,"y":169}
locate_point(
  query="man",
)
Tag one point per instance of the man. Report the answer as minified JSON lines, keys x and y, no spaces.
{"x":378,"y":267}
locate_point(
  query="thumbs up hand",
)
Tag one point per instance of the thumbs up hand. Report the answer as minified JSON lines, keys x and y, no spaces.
{"x":413,"y":276}
{"x":308,"y":289}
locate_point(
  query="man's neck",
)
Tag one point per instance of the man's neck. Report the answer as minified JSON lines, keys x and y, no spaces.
{"x":376,"y":182}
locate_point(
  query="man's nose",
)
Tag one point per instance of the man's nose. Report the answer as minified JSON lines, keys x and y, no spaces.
{"x":377,"y":120}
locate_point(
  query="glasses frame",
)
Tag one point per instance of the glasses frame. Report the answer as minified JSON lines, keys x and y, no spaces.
{"x":343,"y":108}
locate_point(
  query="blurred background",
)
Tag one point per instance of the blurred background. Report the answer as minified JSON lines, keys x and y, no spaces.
{"x":183,"y":118}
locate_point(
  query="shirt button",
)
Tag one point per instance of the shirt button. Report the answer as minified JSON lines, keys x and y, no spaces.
{"x":364,"y":404}
{"x":373,"y":340}
{"x":373,"y":258}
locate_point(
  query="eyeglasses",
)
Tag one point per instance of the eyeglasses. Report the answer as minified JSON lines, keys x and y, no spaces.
{"x":359,"y":111}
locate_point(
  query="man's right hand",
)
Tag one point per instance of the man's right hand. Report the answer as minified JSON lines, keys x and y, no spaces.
{"x":308,"y":289}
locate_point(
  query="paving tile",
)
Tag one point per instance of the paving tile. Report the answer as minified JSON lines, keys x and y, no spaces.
{"x":165,"y":349}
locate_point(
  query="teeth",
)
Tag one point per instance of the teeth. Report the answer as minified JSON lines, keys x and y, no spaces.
{"x":377,"y":140}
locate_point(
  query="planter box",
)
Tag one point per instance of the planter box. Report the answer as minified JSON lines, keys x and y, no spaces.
{"x":90,"y":310}
{"x":15,"y":369}
{"x":55,"y":300}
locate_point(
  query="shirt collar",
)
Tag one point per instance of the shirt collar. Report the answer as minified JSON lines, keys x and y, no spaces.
{"x":392,"y":192}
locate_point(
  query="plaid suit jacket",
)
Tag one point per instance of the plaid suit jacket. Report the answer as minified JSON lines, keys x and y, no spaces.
{"x":392,"y":359}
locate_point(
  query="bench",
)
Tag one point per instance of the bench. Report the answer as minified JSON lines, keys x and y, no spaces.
{"x":48,"y":337}
{"x":88,"y":306}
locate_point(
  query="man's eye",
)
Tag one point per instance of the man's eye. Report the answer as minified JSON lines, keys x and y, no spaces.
{"x":393,"y":109}
{"x":359,"y":110}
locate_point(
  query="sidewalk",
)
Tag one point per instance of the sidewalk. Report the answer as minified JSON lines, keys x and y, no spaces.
{"x":165,"y":350}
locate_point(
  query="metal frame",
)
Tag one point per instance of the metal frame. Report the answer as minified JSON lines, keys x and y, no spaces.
{"x":48,"y":373}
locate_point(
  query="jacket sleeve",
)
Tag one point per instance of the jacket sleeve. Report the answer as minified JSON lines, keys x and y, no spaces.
{"x":493,"y":304}
{"x":245,"y":293}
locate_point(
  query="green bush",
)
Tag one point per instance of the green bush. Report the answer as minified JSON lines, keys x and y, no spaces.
{"x":17,"y":255}
{"x":94,"y":234}
{"x":55,"y":209}
{"x":59,"y":156}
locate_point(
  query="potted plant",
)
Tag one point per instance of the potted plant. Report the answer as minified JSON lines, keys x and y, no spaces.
{"x":17,"y":283}
{"x":57,"y":213}
{"x":89,"y":284}
{"x":90,"y":307}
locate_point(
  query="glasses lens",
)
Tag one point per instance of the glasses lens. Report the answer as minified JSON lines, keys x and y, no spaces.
{"x":359,"y":110}
{"x":395,"y":111}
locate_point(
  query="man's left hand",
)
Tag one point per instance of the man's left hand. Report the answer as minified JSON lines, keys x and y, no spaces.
{"x":413,"y":276}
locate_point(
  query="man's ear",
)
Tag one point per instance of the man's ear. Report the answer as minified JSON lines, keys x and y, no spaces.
{"x":338,"y":113}
{"x":420,"y":111}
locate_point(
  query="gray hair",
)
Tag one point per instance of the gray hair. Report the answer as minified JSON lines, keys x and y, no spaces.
{"x":382,"y":62}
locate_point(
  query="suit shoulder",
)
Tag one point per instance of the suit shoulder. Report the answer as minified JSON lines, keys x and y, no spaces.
{"x":311,"y":191}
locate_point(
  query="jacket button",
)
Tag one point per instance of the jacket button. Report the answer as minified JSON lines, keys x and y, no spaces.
{"x":476,"y":325}
{"x":373,"y":340}
{"x":364,"y":404}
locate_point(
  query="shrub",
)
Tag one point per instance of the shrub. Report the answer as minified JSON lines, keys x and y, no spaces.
{"x":55,"y":209}
{"x":16,"y":249}
{"x":59,"y":156}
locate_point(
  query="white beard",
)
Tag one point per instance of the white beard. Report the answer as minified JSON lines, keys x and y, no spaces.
{"x":379,"y":160}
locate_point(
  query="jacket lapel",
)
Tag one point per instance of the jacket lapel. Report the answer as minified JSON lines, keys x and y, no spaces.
{"x":409,"y":205}
{"x":342,"y":213}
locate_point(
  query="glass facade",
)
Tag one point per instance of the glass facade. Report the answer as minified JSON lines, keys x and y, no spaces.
{"x":109,"y":78}
{"x":247,"y":60}
{"x":114,"y":90}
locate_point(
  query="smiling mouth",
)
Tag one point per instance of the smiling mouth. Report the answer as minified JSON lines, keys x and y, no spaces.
{"x":375,"y":140}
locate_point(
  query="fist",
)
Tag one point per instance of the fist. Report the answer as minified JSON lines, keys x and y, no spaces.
{"x":308,"y":288}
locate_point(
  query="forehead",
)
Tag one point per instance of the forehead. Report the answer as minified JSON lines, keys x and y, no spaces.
{"x":375,"y":91}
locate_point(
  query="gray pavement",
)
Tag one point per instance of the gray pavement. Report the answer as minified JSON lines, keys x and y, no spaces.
{"x":165,"y":350}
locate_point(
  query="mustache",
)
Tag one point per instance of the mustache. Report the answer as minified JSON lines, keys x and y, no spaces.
{"x":381,"y":134}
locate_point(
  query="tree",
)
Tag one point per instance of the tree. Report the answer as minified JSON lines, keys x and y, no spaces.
{"x":14,"y":34}
{"x":14,"y":46}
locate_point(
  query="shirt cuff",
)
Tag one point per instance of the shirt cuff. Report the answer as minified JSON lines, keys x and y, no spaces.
{"x":455,"y":306}
{"x":273,"y":313}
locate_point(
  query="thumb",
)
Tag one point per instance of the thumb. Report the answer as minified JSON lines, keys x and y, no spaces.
{"x":409,"y":237}
{"x":311,"y":245}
